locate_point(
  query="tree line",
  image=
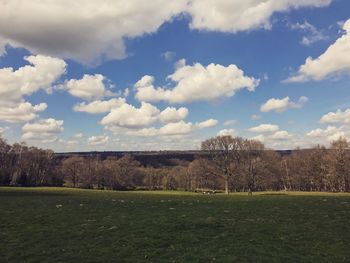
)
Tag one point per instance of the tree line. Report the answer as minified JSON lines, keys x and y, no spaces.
{"x":231,"y":164}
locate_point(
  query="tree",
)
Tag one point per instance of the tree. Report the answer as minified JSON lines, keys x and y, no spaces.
{"x":340,"y":164}
{"x":251,"y":155}
{"x":120,"y":173}
{"x":225,"y":153}
{"x":153,"y":178}
{"x":72,"y":168}
{"x":5,"y":167}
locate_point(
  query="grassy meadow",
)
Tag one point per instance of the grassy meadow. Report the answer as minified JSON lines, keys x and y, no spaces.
{"x":71,"y":225}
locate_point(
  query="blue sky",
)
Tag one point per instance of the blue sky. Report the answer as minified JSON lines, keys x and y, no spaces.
{"x":169,"y":75}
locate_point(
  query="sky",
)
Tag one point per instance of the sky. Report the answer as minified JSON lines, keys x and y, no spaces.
{"x":166,"y":75}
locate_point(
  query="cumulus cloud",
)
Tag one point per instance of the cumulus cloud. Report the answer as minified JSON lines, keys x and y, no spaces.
{"x":21,"y":112}
{"x":281,"y":105}
{"x":84,"y":30}
{"x":340,"y":117}
{"x":196,"y":83}
{"x":264,"y":128}
{"x":207,"y":124}
{"x":41,"y":73}
{"x":99,"y":106}
{"x":239,"y":15}
{"x":171,"y":114}
{"x":280,"y":135}
{"x":279,"y":140}
{"x":329,"y":134}
{"x":45,"y":130}
{"x":98,"y":140}
{"x":128,"y":116}
{"x":68,"y":143}
{"x":89,"y":87}
{"x":137,"y":121}
{"x":271,"y":135}
{"x":260,"y":138}
{"x":227,"y":132}
{"x":90,"y":31}
{"x":179,"y":128}
{"x":332,"y":62}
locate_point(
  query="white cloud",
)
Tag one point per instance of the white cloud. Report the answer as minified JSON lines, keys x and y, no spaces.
{"x":172,"y":114}
{"x":144,"y":132}
{"x":137,"y":121}
{"x":99,"y":106}
{"x":227,"y":132}
{"x":329,"y":134}
{"x":332,"y":62}
{"x":43,"y":130}
{"x":91,"y":31}
{"x":21,"y":112}
{"x":240,"y":15}
{"x":177,"y":128}
{"x":87,"y":31}
{"x":68,"y":143}
{"x":280,"y":135}
{"x":98,"y":140}
{"x":281,"y":105}
{"x":272,"y":136}
{"x":127,"y":116}
{"x":260,"y":138}
{"x":196,"y":83}
{"x":207,"y":124}
{"x":278,"y":140}
{"x":264,"y":128}
{"x":312,"y":33}
{"x":180,"y":128}
{"x":42,"y":72}
{"x":339,"y":116}
{"x":89,"y":87}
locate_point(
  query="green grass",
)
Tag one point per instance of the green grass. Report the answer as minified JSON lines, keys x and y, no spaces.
{"x":66,"y":225}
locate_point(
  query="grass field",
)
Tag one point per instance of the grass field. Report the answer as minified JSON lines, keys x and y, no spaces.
{"x":65,"y":225}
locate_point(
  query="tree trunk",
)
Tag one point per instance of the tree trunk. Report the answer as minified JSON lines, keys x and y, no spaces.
{"x":226,"y":185}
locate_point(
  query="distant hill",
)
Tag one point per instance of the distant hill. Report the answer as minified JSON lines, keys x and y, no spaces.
{"x":151,"y":158}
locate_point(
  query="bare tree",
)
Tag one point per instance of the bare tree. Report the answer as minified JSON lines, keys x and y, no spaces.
{"x":120,"y":173}
{"x":340,"y":163}
{"x":225,"y":152}
{"x":72,"y":169}
{"x":5,"y":165}
{"x":251,"y":161}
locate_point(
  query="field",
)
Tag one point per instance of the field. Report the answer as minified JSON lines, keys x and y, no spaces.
{"x":66,"y":225}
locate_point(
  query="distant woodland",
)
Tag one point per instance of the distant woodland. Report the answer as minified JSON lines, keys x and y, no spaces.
{"x":225,"y":163}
